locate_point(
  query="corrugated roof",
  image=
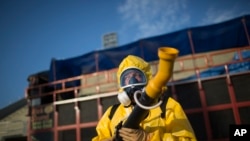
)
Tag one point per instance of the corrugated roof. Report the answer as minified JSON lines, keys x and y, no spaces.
{"x":4,"y":112}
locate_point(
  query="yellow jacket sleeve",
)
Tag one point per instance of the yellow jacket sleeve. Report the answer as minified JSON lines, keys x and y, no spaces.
{"x":103,"y":127}
{"x":174,"y":127}
{"x":178,"y":127}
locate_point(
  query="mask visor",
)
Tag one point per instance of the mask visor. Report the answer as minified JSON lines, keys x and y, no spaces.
{"x":132,"y":77}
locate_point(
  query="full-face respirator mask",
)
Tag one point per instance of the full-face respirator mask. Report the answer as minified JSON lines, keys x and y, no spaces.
{"x":132,"y":80}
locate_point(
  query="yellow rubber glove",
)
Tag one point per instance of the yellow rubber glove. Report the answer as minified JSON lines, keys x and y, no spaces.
{"x":128,"y":134}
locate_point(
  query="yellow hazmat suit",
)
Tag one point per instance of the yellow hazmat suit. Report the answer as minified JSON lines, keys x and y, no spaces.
{"x":174,"y":127}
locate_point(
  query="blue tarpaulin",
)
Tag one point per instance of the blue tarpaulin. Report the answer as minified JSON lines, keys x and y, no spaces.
{"x":225,"y":35}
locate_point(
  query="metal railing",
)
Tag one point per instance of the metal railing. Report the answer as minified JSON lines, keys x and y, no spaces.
{"x":106,"y":81}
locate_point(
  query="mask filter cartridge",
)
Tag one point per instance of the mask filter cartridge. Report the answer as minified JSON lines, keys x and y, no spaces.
{"x":124,"y":98}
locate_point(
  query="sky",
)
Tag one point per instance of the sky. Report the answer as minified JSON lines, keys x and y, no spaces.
{"x":32,"y":32}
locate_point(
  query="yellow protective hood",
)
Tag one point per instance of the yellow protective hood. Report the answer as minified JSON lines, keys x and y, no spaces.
{"x":132,"y":61}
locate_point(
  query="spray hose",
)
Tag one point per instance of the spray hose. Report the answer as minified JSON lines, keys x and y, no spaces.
{"x":143,"y":106}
